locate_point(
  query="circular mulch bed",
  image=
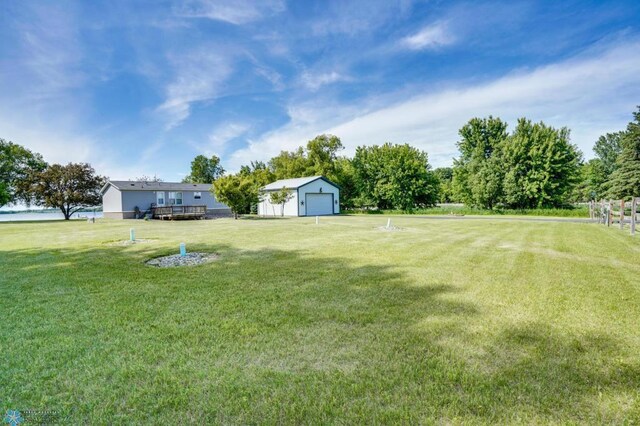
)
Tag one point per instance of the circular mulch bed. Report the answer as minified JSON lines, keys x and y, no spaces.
{"x":191,"y":259}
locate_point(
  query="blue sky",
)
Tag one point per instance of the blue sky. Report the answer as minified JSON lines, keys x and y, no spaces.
{"x":141,"y":87}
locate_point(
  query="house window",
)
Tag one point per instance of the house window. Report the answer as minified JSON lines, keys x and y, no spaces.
{"x":175,"y":198}
{"x":197,"y":195}
{"x":160,"y":198}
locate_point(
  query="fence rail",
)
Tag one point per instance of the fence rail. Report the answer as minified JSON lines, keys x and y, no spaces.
{"x":610,"y":212}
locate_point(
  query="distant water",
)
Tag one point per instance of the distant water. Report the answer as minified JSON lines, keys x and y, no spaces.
{"x":15,"y":217}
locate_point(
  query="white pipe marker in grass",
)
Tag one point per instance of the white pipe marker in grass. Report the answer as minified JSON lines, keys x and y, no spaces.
{"x":132,"y":234}
{"x":183,"y":250}
{"x":317,"y":220}
{"x":388,"y":223}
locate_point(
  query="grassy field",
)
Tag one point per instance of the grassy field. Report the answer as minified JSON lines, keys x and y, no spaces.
{"x":444,"y":321}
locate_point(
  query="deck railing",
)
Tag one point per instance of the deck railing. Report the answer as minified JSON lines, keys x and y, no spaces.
{"x":179,"y":212}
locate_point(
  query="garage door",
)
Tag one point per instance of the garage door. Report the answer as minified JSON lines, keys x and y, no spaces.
{"x":319,"y":204}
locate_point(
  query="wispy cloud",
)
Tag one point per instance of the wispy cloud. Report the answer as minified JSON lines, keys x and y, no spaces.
{"x":50,"y":70}
{"x":352,"y":18}
{"x":430,"y":37}
{"x":591,"y":94}
{"x":316,"y":81}
{"x":235,"y":12}
{"x":199,"y":77}
{"x":220,"y":137}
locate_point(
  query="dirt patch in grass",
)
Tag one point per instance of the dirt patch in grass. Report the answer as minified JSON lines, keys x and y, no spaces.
{"x":389,"y":228}
{"x":190,"y":259}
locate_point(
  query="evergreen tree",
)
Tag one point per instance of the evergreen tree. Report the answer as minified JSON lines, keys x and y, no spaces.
{"x":625,"y":180}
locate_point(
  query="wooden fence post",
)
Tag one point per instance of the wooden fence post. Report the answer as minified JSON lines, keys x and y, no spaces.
{"x":634,"y":206}
{"x":622,"y":206}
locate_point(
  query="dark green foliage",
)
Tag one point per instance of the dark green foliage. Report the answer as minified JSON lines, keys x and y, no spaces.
{"x":68,"y":188}
{"x":478,"y":174}
{"x":541,"y":166}
{"x":607,"y":148}
{"x":394,"y":176}
{"x":16,"y":163}
{"x":290,"y":164}
{"x":204,"y":170}
{"x":317,"y":159}
{"x":592,"y":178}
{"x":322,"y":154}
{"x":238,"y":191}
{"x":574,"y":211}
{"x":625,"y":180}
{"x":344,"y":177}
{"x":445,"y":184}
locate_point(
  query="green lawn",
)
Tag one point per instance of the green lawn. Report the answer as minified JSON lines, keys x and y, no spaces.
{"x":445,"y":321}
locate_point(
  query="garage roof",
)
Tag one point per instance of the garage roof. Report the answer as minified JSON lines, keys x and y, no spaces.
{"x":295,"y":183}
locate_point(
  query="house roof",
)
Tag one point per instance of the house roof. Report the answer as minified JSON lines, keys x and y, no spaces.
{"x":295,"y":183}
{"x":131,"y":185}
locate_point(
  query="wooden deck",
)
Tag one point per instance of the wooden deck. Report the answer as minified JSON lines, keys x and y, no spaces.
{"x":179,"y":212}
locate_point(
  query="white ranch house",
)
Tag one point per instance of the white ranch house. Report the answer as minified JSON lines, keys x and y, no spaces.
{"x":310,"y":196}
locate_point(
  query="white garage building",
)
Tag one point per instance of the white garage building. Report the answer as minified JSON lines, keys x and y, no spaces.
{"x":310,"y":196}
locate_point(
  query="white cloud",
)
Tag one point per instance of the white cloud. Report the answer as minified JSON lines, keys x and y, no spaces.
{"x":316,"y":81}
{"x":200,"y":75}
{"x":430,"y":37}
{"x":219,"y":138}
{"x":235,"y":12}
{"x":590,"y":94}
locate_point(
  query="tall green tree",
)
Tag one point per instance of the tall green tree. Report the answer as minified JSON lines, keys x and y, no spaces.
{"x":289,"y":164}
{"x":204,"y":170}
{"x":607,"y":148}
{"x":625,"y":180}
{"x":16,"y":164}
{"x":394,"y":176}
{"x":322,"y":154}
{"x":69,"y":188}
{"x":542,"y":166}
{"x":318,"y":157}
{"x":478,"y":173}
{"x":592,"y":178}
{"x":445,"y":181}
{"x":258,"y":172}
{"x":260,"y":175}
{"x":344,"y":176}
{"x":238,"y":191}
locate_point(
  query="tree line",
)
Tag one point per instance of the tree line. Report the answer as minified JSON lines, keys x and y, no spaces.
{"x":534,"y":166}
